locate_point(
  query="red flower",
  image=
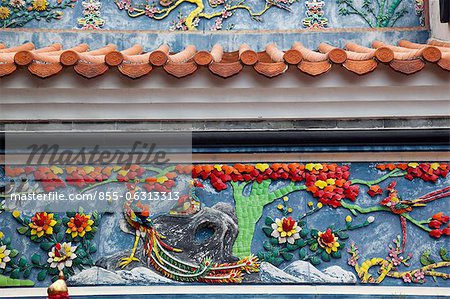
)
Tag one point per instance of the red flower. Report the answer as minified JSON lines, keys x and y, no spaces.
{"x":446,"y":231}
{"x":288,"y":224}
{"x":441,"y":217}
{"x":375,"y":190}
{"x":434,"y":224}
{"x":436,"y":233}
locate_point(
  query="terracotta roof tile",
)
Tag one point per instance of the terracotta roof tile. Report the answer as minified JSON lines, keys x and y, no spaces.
{"x":405,"y":57}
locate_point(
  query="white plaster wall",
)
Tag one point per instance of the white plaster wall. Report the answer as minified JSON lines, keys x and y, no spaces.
{"x":248,"y":96}
{"x":438,"y":30}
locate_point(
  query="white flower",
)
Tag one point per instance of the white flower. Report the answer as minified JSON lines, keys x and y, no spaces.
{"x":4,"y":256}
{"x":286,"y":229}
{"x":62,"y":256}
{"x":370,"y":219}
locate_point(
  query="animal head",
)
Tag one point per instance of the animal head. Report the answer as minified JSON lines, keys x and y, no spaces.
{"x":393,"y":197}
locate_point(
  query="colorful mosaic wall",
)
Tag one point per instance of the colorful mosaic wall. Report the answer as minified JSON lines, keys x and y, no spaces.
{"x":278,"y":223}
{"x":211,"y":15}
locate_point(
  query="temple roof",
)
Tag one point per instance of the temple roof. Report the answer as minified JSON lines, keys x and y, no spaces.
{"x":135,"y":62}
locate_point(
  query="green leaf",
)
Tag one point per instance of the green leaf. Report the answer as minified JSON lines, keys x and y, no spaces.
{"x":42,"y":275}
{"x":22,"y":230}
{"x":336,"y":254}
{"x":425,"y":258}
{"x":268,"y":221}
{"x":342,"y":235}
{"x":15,"y":274}
{"x":302,"y":223}
{"x":81,"y":253}
{"x":53,"y":271}
{"x":46,"y":246}
{"x":300,"y":243}
{"x":23,"y":261}
{"x":7,"y":241}
{"x":315,"y":260}
{"x":60,"y":236}
{"x":314,"y":233}
{"x":287,"y":256}
{"x":302,"y":253}
{"x":76,"y":262}
{"x":70,"y":214}
{"x":304,"y":232}
{"x":13,"y":253}
{"x":443,"y":253}
{"x":260,"y":256}
{"x":27,"y":273}
{"x":275,"y":251}
{"x":314,"y":247}
{"x":325,"y":256}
{"x":36,"y":259}
{"x":92,"y":249}
{"x":267,"y":245}
{"x":277,"y":261}
{"x":267,"y":231}
{"x":291,"y":247}
{"x":273,"y":241}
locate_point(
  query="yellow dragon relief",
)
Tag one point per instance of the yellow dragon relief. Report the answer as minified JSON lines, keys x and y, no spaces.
{"x":388,"y":267}
{"x":191,"y":21}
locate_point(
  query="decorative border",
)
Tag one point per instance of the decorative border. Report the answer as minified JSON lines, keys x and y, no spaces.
{"x":225,"y":32}
{"x":237,"y":290}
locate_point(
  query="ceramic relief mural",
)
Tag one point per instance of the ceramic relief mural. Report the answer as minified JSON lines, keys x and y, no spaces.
{"x":18,"y":13}
{"x":279,"y":223}
{"x":211,"y":15}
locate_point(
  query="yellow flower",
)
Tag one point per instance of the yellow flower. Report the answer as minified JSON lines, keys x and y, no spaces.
{"x":285,"y":198}
{"x":40,"y":5}
{"x":289,"y":210}
{"x":262,"y":167}
{"x":1,"y":235}
{"x":218,"y":167}
{"x":321,"y":184}
{"x":319,"y":205}
{"x":162,"y":179}
{"x":312,"y":166}
{"x":331,"y":181}
{"x":16,"y":214}
{"x":434,"y":166}
{"x":310,"y":204}
{"x":42,"y":223}
{"x":4,"y":12}
{"x":348,"y":218}
{"x":279,"y":207}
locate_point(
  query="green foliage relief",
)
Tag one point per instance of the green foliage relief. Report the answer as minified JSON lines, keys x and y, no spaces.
{"x":376,"y":13}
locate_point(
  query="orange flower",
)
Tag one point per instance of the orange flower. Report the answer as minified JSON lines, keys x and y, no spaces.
{"x":328,"y":241}
{"x":79,"y":225}
{"x":42,"y":223}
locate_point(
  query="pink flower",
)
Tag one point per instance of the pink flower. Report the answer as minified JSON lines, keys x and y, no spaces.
{"x":420,"y":275}
{"x":407,"y":277}
{"x":351,"y":261}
